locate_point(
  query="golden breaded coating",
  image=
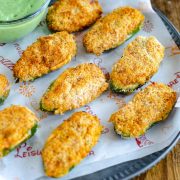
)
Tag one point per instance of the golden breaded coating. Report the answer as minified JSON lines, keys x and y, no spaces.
{"x":113,"y":29}
{"x":140,"y":61}
{"x":74,"y":88}
{"x":17,"y":124}
{"x":4,"y":88}
{"x":149,"y":106}
{"x":73,"y":15}
{"x":69,"y":143}
{"x":47,"y":54}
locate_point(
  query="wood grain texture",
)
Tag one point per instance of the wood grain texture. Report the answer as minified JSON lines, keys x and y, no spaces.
{"x":171,"y":8}
{"x":169,"y":167}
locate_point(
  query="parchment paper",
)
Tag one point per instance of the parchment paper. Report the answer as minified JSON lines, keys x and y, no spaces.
{"x":25,"y":162}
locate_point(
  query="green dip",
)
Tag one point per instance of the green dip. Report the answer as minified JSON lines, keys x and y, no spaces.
{"x":16,"y":9}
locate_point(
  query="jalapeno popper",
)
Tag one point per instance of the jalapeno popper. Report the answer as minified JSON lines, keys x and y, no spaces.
{"x":113,"y":29}
{"x":4,"y":88}
{"x":17,"y":124}
{"x":74,"y":88}
{"x":73,"y":15}
{"x":149,"y":106}
{"x":69,"y":143}
{"x":47,"y":54}
{"x":140,"y":61}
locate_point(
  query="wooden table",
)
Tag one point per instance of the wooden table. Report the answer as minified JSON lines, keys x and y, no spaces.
{"x":169,"y":167}
{"x":171,"y":8}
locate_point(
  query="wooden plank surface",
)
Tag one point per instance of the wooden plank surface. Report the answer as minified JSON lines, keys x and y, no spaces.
{"x":171,"y":8}
{"x":169,"y":167}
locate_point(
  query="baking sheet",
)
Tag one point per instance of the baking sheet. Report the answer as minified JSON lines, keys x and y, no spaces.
{"x":25,"y":162}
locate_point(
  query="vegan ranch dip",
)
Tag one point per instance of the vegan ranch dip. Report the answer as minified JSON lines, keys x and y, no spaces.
{"x":16,"y":9}
{"x":11,"y":10}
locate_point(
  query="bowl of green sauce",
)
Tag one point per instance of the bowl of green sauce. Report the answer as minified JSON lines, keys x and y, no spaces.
{"x":20,"y":17}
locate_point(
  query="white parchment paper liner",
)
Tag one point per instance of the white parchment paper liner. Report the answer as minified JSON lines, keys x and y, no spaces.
{"x":25,"y":162}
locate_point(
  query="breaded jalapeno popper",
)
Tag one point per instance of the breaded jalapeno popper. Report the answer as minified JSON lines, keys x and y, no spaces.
{"x":47,"y":54}
{"x":113,"y":29}
{"x":17,"y":124}
{"x":74,"y":88}
{"x":73,"y":15}
{"x":149,"y":106}
{"x":140,"y":61}
{"x":4,"y":88}
{"x":69,"y":143}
